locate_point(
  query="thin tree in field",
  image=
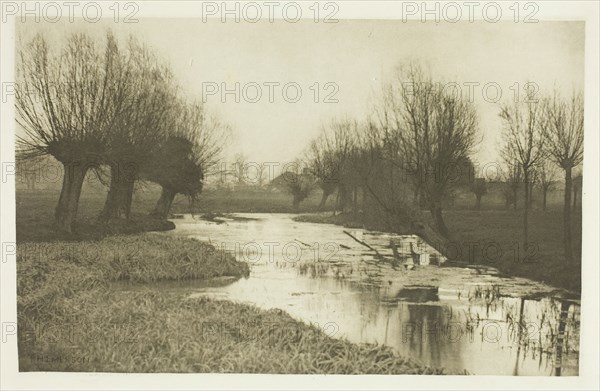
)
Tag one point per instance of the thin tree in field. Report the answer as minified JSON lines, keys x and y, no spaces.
{"x":547,"y":179}
{"x":479,"y":188}
{"x":563,"y":132}
{"x":239,"y":169}
{"x":523,"y":143}
{"x":67,"y":103}
{"x":512,"y":180}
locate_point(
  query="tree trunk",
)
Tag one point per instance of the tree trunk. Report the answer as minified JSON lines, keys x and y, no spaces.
{"x":567,"y":215}
{"x":436,"y":213}
{"x":163,"y":205}
{"x":68,"y":202}
{"x":324,"y":198}
{"x":526,"y":208}
{"x":515,"y":197}
{"x":342,"y":198}
{"x":530,"y":199}
{"x":119,"y":197}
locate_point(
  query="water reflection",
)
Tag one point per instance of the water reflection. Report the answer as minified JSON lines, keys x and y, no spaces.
{"x":456,"y":318}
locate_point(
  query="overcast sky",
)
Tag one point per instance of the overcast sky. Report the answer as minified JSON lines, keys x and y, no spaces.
{"x":355,"y":56}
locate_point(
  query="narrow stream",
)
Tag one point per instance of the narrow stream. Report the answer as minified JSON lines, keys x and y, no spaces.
{"x":457,"y":318}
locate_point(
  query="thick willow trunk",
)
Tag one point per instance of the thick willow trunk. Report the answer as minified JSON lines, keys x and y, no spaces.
{"x":119,"y":197}
{"x":438,"y":218}
{"x":163,"y":205}
{"x":68,"y":202}
{"x":324,"y":198}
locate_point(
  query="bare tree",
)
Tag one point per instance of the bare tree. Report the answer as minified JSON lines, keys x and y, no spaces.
{"x":479,"y":188}
{"x":299,"y":183}
{"x":431,"y":133}
{"x":239,"y":169}
{"x":68,"y":103}
{"x":328,"y":158}
{"x":523,"y":143}
{"x":150,"y":94}
{"x":512,"y":181}
{"x":190,"y":152}
{"x":547,"y":179}
{"x":563,"y":133}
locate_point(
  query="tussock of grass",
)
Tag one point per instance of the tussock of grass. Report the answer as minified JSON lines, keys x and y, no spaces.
{"x":50,"y":272}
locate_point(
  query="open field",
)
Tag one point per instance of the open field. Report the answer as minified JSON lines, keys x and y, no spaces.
{"x":35,"y":210}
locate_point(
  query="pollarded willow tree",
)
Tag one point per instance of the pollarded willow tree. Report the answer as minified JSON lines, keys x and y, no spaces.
{"x":151,"y":96}
{"x":523,"y":144}
{"x":189,"y":153}
{"x":68,"y":102}
{"x":512,"y":178}
{"x":329,"y":158}
{"x":563,"y":134}
{"x":430,"y":133}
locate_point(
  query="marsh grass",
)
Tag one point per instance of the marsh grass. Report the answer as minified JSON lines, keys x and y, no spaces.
{"x":152,"y":331}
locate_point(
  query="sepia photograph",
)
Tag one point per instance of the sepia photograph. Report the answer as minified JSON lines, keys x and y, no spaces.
{"x":300,"y":188}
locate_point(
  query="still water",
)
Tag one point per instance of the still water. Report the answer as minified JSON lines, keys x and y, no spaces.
{"x":457,"y":318}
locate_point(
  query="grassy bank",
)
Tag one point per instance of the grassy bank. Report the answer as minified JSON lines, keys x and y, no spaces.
{"x":74,"y":314}
{"x":150,"y":331}
{"x":494,"y":237}
{"x":72,"y":318}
